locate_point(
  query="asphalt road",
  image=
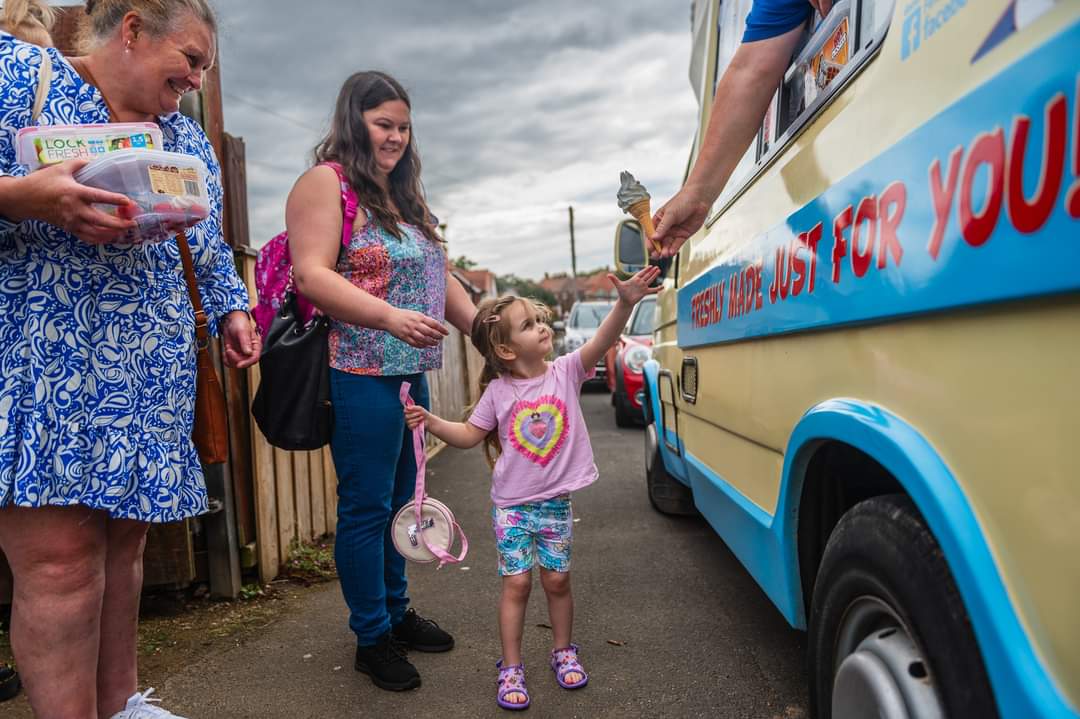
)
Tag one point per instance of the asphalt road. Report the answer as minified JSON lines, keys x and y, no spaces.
{"x":669,"y":622}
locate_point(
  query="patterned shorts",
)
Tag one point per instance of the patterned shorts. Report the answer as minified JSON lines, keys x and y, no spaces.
{"x":536,"y":532}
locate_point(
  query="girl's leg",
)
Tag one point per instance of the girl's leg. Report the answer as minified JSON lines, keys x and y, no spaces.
{"x":57,"y":557}
{"x":512,"y":604}
{"x":117,"y":657}
{"x":366,"y":446}
{"x":561,"y":610}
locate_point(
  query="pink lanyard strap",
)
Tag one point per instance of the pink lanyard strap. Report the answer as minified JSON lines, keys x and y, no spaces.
{"x":419,"y":494}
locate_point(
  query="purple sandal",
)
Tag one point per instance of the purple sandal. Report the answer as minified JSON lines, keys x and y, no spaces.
{"x":564,"y":661}
{"x":512,"y":680}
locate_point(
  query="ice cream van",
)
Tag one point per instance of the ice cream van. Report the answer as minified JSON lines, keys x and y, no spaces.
{"x":866,"y":367}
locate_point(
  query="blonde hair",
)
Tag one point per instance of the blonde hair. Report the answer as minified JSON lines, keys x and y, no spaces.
{"x":490,"y":329}
{"x":29,"y":21}
{"x":103,"y":18}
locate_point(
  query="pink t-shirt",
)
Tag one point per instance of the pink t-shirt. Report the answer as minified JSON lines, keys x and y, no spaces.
{"x":545,"y":445}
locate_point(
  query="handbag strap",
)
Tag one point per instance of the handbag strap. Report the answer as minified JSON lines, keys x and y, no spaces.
{"x":202,"y":333}
{"x":44,"y":82}
{"x":419,"y":494}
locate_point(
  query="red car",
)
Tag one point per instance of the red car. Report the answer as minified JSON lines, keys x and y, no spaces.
{"x":625,"y":361}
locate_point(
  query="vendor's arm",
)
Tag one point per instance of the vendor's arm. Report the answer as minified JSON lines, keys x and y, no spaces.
{"x":460,"y":309}
{"x":313,"y":217}
{"x":463,"y":435}
{"x":739,"y":106}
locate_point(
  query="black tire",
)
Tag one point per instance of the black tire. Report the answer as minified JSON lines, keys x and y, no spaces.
{"x":666,"y":494}
{"x":883,"y":578}
{"x":623,"y":416}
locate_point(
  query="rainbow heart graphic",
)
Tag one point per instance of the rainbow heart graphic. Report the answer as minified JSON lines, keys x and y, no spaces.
{"x":539,"y":428}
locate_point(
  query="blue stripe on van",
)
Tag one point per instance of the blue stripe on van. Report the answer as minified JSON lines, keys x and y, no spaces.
{"x":1004,"y":223}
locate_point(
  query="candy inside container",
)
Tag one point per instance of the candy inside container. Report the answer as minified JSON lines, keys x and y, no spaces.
{"x":168,"y":190}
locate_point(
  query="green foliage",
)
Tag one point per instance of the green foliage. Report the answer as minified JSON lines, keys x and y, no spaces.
{"x":310,"y":563}
{"x":463,"y":263}
{"x":251,"y":591}
{"x":525,"y":288}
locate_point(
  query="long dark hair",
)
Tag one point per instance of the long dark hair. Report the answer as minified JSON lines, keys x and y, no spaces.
{"x":349,"y":144}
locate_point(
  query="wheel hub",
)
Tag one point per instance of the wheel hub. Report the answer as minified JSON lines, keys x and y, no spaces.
{"x":880,"y":670}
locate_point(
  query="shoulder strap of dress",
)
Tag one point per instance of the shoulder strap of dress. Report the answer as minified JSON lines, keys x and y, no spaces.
{"x":44,"y":82}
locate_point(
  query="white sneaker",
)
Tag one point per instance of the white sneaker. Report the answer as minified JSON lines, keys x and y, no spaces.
{"x":139,"y":707}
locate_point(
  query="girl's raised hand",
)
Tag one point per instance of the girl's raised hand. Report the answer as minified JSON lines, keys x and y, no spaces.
{"x":632,"y":290}
{"x":414,"y":415}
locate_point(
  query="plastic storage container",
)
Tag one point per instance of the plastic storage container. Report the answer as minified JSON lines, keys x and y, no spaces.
{"x":168,"y":190}
{"x":44,"y":145}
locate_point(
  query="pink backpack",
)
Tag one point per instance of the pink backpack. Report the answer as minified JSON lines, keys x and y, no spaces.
{"x":273,"y":266}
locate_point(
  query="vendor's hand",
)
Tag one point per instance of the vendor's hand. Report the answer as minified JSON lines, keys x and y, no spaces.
{"x":414,"y":415}
{"x":822,"y":6}
{"x":53,"y":195}
{"x":415,"y":328}
{"x":242,"y":343}
{"x":631,"y":291}
{"x":676,"y":221}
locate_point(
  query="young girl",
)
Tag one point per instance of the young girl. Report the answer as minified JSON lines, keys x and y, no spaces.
{"x":529,"y":417}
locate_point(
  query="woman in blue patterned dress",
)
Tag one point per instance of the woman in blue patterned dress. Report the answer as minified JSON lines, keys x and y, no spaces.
{"x":387,"y":294}
{"x":97,"y":360}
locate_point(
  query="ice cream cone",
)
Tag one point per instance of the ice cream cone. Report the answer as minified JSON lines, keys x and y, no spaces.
{"x":642,"y":212}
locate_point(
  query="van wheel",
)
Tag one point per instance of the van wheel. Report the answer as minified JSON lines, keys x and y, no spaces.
{"x":666,"y":494}
{"x":889,"y":635}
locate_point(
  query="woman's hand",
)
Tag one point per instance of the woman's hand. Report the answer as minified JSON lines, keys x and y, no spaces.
{"x":242,"y":343}
{"x":414,"y":415}
{"x":631,"y":291}
{"x":415,"y":328}
{"x":53,"y":195}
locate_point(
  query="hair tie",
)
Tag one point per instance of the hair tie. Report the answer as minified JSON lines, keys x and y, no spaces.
{"x":492,"y":318}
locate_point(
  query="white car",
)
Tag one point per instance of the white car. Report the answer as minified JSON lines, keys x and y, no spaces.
{"x":581,"y":324}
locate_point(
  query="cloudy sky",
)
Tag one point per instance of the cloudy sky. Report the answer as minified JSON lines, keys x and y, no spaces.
{"x":520,"y":109}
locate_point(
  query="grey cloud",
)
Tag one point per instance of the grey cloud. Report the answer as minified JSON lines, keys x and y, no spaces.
{"x":519,"y":109}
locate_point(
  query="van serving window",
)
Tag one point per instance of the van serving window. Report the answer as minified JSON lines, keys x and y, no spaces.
{"x":832,"y":50}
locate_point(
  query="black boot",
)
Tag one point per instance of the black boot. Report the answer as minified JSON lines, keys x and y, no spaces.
{"x":422,"y":634}
{"x":387,"y":665}
{"x":9,"y":683}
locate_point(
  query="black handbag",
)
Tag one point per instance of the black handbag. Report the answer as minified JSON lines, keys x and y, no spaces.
{"x":292,"y":405}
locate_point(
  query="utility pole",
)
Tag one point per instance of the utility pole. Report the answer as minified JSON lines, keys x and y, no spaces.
{"x":573,"y":255}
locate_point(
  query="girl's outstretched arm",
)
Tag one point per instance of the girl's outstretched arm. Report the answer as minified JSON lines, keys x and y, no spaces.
{"x":630,"y":293}
{"x":456,"y":434}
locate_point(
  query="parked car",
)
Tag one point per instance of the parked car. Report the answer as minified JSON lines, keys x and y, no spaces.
{"x":581,"y":324}
{"x":865,"y":371}
{"x":626,"y":360}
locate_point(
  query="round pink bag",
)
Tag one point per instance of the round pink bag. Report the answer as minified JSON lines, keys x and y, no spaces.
{"x":425,"y":529}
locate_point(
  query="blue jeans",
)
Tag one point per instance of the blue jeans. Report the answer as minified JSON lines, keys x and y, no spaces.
{"x":376,"y":468}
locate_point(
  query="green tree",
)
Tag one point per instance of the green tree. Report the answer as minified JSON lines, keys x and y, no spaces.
{"x":463,"y":263}
{"x":525,"y":288}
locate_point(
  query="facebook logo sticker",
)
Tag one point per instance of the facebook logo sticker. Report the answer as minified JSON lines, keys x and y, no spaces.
{"x":912,"y":34}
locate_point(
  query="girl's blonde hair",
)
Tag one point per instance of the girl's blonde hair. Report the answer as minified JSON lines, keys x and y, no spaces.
{"x":490,"y":329}
{"x":160,"y":17}
{"x":29,"y":21}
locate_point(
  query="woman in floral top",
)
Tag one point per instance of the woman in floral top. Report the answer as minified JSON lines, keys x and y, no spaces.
{"x":387,"y":293}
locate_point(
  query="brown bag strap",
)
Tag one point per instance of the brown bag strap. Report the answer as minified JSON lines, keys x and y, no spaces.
{"x":202,"y":332}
